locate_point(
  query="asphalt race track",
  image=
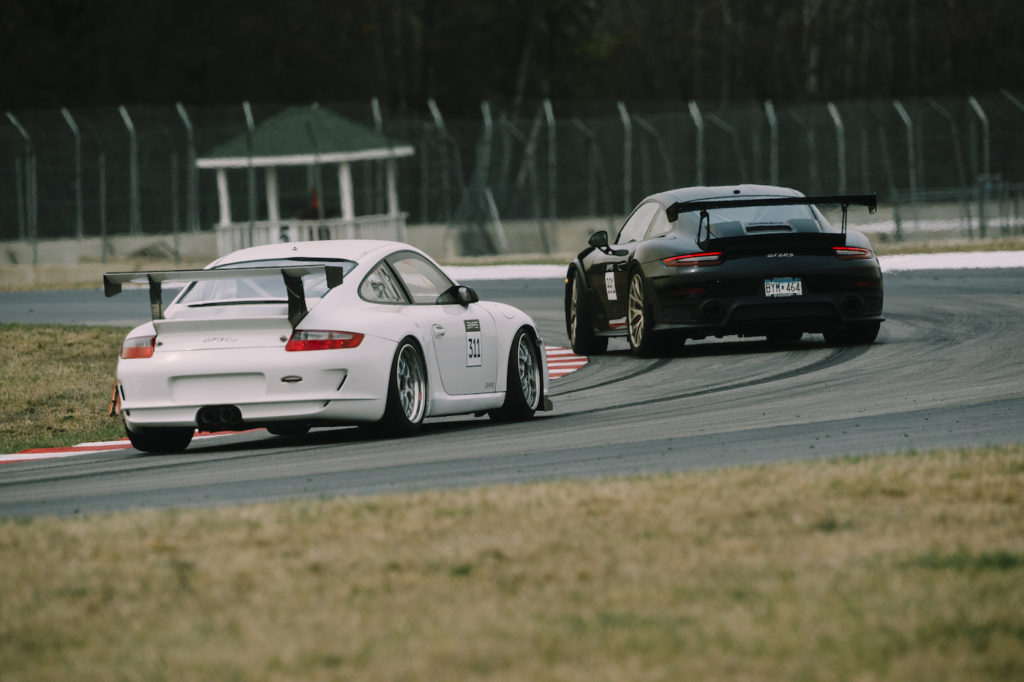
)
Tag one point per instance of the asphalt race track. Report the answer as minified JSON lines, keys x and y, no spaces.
{"x":946,"y":371}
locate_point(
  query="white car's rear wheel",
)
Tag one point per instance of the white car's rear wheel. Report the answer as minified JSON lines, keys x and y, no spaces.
{"x":407,"y":391}
{"x":160,"y":440}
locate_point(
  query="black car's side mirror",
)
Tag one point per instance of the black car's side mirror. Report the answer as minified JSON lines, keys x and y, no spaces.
{"x":599,"y":240}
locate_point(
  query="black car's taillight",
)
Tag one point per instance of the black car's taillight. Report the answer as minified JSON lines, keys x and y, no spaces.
{"x":851,"y":252}
{"x":690,"y":260}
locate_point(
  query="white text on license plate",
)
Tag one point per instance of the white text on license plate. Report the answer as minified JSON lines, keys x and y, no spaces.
{"x":783,"y":286}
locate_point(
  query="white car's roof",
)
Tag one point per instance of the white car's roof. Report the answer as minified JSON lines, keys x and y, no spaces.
{"x":349,"y":249}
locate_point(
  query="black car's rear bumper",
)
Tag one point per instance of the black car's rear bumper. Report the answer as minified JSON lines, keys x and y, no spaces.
{"x":711,"y":302}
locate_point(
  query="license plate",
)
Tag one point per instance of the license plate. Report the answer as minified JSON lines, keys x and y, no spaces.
{"x":779,"y":287}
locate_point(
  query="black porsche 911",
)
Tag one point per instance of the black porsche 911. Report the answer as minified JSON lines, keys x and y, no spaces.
{"x":746,"y":260}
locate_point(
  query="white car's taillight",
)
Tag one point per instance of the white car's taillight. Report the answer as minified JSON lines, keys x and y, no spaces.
{"x":322,"y":340}
{"x":851,"y":252}
{"x":138,"y":347}
{"x":692,"y":259}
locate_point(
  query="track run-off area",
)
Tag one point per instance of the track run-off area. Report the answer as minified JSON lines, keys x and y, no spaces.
{"x":946,"y":371}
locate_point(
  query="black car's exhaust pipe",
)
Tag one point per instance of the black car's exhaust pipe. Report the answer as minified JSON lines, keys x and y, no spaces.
{"x":712,"y":310}
{"x":853,"y":305}
{"x":214,"y":417}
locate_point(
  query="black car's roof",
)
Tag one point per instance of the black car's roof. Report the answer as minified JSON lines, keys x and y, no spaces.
{"x":684,"y":194}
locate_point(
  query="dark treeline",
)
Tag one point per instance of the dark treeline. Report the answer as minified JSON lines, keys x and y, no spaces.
{"x":57,"y":53}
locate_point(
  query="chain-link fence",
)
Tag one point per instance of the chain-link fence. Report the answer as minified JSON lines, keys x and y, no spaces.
{"x":131,"y":171}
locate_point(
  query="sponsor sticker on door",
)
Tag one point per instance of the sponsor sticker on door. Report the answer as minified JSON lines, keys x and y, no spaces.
{"x":474,"y":344}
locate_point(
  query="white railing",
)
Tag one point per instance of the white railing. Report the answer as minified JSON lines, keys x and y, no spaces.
{"x":237,"y":235}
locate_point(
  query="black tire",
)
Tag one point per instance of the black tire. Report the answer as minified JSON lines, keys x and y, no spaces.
{"x":782,"y":338}
{"x":579,"y":320}
{"x":523,"y":392}
{"x":407,"y":392}
{"x":161,"y":440}
{"x":855,"y":334}
{"x":288,"y":429}
{"x":643,"y":341}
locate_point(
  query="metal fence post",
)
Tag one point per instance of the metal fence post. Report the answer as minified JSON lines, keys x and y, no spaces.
{"x":698,"y":121}
{"x":549,"y":115}
{"x":79,"y":215}
{"x":31,"y":180}
{"x":250,"y":171}
{"x":134,"y":210}
{"x":986,"y":137}
{"x":911,"y":156}
{"x":104,"y":242}
{"x":773,"y":143}
{"x":986,"y":178}
{"x":840,"y":145}
{"x":627,"y":158}
{"x":446,"y":187}
{"x":191,"y":172}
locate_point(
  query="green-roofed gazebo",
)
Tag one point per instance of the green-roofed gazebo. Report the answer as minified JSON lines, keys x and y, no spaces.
{"x":306,"y":136}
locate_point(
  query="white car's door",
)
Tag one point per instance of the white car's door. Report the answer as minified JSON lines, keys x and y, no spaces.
{"x":465,"y":336}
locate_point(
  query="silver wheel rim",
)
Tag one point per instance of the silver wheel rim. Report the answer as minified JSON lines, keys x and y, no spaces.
{"x":636,"y":311}
{"x":529,"y":372}
{"x":412,"y":392}
{"x":573,"y":316}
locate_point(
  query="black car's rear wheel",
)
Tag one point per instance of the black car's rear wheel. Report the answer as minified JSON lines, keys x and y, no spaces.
{"x":640,"y":321}
{"x":855,"y":334}
{"x":579,"y":321}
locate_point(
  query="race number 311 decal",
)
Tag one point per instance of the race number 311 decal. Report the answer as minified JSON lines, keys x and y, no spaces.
{"x":474,"y":344}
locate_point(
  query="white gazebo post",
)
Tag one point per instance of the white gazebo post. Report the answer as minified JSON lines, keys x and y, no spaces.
{"x":392,"y":180}
{"x":348,"y":211}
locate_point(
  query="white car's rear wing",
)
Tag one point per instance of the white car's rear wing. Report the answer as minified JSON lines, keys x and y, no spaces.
{"x":113,"y":283}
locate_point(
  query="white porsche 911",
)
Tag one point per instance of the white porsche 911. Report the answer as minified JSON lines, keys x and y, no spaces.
{"x":294,"y":335}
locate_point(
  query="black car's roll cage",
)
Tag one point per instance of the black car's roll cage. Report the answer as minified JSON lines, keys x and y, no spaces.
{"x":843,"y":200}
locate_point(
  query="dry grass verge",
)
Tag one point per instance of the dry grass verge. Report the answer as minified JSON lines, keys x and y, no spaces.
{"x":56,"y":385}
{"x":882,"y":568}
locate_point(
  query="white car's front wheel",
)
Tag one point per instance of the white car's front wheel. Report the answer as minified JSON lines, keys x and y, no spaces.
{"x":524,"y":381}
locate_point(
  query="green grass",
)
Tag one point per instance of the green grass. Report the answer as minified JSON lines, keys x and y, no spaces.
{"x":873,"y":568}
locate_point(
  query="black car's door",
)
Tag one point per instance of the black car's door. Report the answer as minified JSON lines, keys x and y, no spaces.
{"x":608,"y":273}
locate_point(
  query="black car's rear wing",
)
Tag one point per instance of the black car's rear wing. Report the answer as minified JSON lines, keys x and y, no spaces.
{"x":292,"y":275}
{"x":842,"y":200}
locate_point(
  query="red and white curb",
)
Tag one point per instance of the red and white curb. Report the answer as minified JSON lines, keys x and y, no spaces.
{"x":561,"y":361}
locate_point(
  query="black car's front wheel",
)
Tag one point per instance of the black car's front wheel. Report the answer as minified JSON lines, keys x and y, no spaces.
{"x":579,"y":320}
{"x":639,"y":320}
